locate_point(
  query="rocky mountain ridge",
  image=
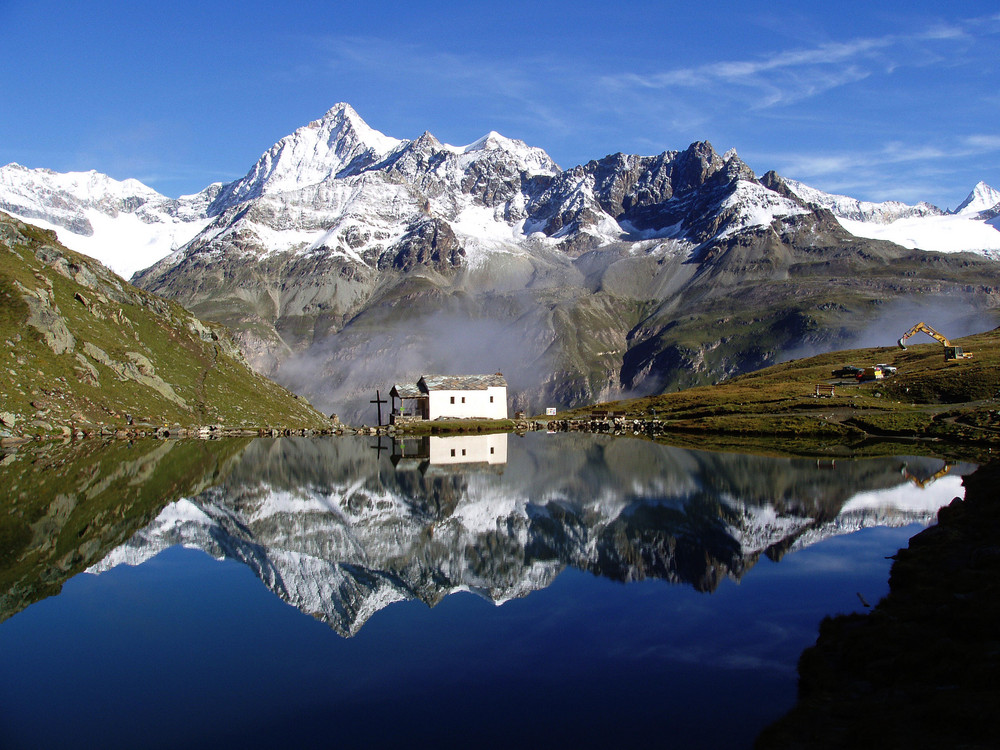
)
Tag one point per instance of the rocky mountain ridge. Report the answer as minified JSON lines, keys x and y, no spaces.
{"x":970,"y":226}
{"x":342,"y":145}
{"x":845,"y":207}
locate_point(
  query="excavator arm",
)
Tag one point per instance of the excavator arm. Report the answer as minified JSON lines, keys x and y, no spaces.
{"x":922,"y":328}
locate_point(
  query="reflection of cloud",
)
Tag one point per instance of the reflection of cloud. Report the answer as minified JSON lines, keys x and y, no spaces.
{"x":903,"y":497}
{"x":718,"y":656}
{"x":819,"y":561}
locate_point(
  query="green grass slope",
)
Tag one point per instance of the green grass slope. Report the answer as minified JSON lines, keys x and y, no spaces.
{"x":927,"y":398}
{"x":85,"y":349}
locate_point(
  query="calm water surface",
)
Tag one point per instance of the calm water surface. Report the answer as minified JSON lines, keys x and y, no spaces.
{"x":546,"y":590}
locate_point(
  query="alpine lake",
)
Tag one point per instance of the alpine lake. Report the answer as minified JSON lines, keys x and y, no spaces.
{"x":498,"y":590}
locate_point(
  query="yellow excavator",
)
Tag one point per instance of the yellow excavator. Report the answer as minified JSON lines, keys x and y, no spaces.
{"x":950,"y":350}
{"x":923,"y":482}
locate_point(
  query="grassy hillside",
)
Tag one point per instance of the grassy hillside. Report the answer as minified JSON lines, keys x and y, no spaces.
{"x":927,"y":398}
{"x":84,"y":349}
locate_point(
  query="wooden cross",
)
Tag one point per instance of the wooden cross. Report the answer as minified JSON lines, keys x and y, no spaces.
{"x":378,"y":401}
{"x":379,"y":448}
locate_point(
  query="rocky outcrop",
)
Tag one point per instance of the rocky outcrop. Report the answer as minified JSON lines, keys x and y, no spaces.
{"x":45,"y":317}
{"x":430,"y":243}
{"x":136,"y":367}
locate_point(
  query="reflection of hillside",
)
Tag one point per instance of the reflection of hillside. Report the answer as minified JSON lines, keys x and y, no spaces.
{"x":333,"y":527}
{"x":66,"y":506}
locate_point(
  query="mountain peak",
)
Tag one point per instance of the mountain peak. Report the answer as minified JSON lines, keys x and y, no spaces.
{"x":338,"y":142}
{"x":342,"y":116}
{"x":342,"y":124}
{"x":492,"y":140}
{"x":529,"y":158}
{"x":341,"y":109}
{"x":982,"y":198}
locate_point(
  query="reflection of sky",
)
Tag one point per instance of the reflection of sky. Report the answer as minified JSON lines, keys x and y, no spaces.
{"x":188,"y":651}
{"x":909,"y":497}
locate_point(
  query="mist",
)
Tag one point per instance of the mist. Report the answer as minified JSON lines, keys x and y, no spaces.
{"x":341,"y":373}
{"x":951,"y":317}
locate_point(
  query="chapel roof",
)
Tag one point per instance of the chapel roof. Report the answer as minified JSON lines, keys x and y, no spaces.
{"x":429,"y":383}
{"x":407,"y":390}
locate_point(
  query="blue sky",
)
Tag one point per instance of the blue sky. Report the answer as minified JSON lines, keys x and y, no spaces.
{"x":875,"y":100}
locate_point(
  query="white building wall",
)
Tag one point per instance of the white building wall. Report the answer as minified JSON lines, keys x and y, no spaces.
{"x":469,"y":404}
{"x":464,"y":449}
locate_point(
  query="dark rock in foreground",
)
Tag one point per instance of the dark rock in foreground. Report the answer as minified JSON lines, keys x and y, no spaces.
{"x":921,"y":670}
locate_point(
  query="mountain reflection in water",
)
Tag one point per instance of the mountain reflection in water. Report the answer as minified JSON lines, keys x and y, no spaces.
{"x":341,"y":528}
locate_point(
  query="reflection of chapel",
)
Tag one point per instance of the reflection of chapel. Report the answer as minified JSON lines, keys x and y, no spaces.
{"x":450,"y":397}
{"x":444,"y":455}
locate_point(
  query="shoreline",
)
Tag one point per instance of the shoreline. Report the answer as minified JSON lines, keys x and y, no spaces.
{"x":816,"y":444}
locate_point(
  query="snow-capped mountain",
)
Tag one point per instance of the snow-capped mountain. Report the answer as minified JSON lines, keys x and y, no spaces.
{"x":343,"y":249}
{"x":337,"y":179}
{"x":845,"y":207}
{"x":982,"y":198}
{"x":485,"y":191}
{"x":338,"y":144}
{"x":337,"y":214}
{"x":124,"y":224}
{"x":969,"y":228}
{"x":339,"y":187}
{"x":340,"y":538}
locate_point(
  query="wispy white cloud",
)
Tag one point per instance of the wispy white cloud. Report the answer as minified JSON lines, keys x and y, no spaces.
{"x":587,"y":105}
{"x":788,"y":76}
{"x":811,"y":164}
{"x":892,"y":170}
{"x":747,"y":72}
{"x":982,"y":142}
